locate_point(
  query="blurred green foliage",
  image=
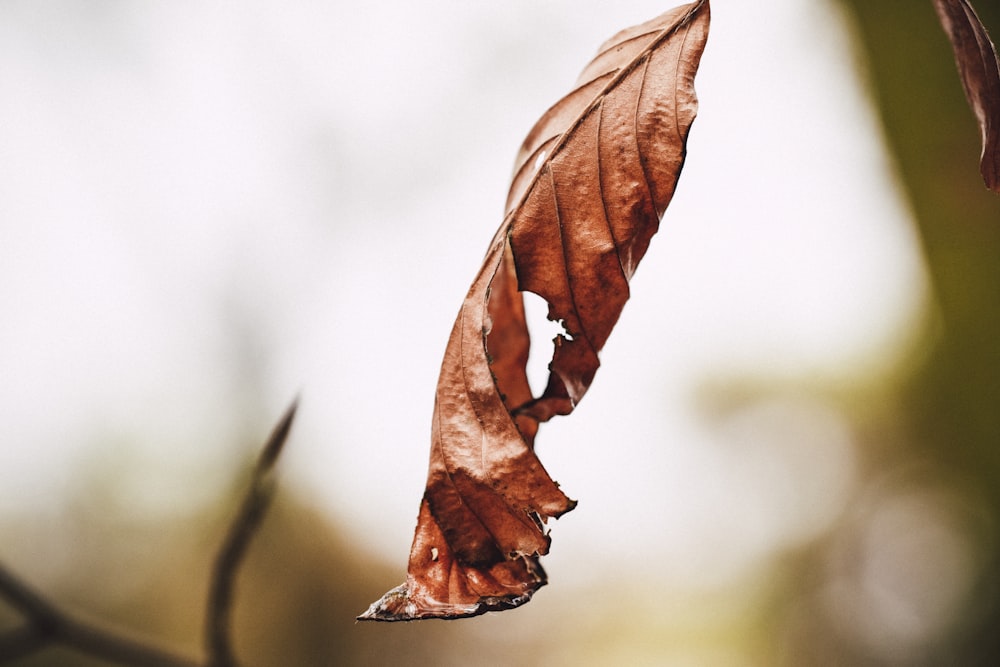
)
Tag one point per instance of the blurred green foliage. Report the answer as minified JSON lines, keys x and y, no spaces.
{"x":951,"y":402}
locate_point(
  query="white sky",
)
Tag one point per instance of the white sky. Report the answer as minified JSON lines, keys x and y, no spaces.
{"x":188,"y":185}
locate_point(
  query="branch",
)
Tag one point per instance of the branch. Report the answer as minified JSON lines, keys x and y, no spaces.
{"x":47,"y":624}
{"x":241,"y":531}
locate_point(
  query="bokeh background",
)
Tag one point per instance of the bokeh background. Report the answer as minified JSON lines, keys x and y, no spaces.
{"x":790,"y":455}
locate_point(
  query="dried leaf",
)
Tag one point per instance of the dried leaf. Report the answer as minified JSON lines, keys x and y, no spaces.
{"x":979,"y":69}
{"x":590,"y":183}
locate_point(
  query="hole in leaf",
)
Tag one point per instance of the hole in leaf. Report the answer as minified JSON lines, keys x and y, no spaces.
{"x":542,"y":331}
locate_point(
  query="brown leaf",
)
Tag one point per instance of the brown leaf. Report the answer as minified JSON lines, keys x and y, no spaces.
{"x":979,"y":69}
{"x":590,"y":183}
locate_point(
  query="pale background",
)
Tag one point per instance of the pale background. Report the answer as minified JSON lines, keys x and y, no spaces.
{"x":207,"y":209}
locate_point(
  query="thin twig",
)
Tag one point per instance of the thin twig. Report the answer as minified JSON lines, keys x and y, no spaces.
{"x":20,"y":642}
{"x":49,"y":624}
{"x":251,"y":512}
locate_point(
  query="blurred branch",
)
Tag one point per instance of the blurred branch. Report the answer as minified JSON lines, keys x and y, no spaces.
{"x":47,"y":624}
{"x":241,"y":531}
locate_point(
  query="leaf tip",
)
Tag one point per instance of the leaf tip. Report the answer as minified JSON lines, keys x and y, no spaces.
{"x":400,"y":605}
